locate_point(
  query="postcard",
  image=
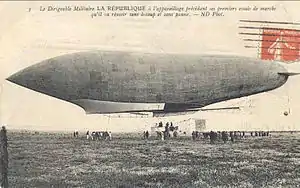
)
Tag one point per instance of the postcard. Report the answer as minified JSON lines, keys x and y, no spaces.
{"x":150,"y":94}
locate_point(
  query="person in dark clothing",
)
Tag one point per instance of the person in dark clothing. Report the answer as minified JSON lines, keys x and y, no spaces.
{"x":194,"y":135}
{"x":231,"y":136}
{"x":224,"y":136}
{"x":219,"y":135}
{"x":167,"y":130}
{"x":167,"y":127}
{"x":160,"y":124}
{"x":147,"y":135}
{"x":213,"y":137}
{"x":175,"y":134}
{"x":4,"y":158}
{"x":216,"y":136}
{"x":167,"y":124}
{"x":205,"y":135}
{"x":235,"y":134}
{"x":172,"y":128}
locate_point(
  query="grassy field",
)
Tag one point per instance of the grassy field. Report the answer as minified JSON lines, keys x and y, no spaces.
{"x":58,"y":160}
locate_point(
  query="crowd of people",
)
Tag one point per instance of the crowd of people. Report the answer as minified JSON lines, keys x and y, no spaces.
{"x":169,"y":131}
{"x":146,"y":135}
{"x":98,"y":135}
{"x":75,"y":134}
{"x":225,"y":135}
{"x":95,"y":135}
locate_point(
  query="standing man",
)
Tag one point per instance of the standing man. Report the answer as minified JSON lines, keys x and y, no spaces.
{"x":87,"y":135}
{"x":109,"y":135}
{"x":147,"y":135}
{"x":231,"y":136}
{"x":3,"y":158}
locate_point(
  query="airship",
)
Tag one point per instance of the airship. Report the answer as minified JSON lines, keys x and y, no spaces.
{"x":105,"y":82}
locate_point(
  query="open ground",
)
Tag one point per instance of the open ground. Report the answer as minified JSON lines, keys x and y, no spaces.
{"x":59,"y":160}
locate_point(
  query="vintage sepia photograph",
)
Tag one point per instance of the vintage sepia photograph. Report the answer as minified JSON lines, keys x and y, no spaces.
{"x":134,"y":94}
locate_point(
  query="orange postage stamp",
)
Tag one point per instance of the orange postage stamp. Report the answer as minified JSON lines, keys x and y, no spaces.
{"x":280,"y":45}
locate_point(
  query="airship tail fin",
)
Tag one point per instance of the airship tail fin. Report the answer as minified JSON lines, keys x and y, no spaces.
{"x":291,"y":69}
{"x":289,"y":73}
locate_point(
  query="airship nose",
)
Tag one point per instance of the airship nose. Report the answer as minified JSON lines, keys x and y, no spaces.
{"x":12,"y":79}
{"x":41,"y":78}
{"x":55,"y":78}
{"x":28,"y":78}
{"x":19,"y":78}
